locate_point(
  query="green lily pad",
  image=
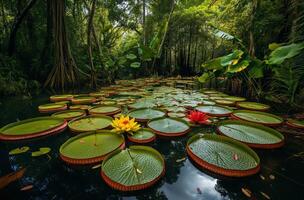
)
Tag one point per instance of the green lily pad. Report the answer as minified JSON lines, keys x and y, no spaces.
{"x":143,"y":104}
{"x":80,"y":107}
{"x":91,"y":145}
{"x":169,"y":126}
{"x":63,"y":97}
{"x":225,"y":102}
{"x":42,"y":151}
{"x":236,"y":99}
{"x":90,"y":123}
{"x":69,"y":114}
{"x":144,"y":134}
{"x":145,"y":114}
{"x":208,"y":103}
{"x":133,"y":169}
{"x":253,"y":134}
{"x":19,"y":150}
{"x":104,"y":110}
{"x":295,"y":123}
{"x":176,"y":114}
{"x":83,"y":100}
{"x":258,"y":117}
{"x":222,"y":152}
{"x":253,"y":106}
{"x":215,"y":110}
{"x":32,"y":127}
{"x":52,"y":107}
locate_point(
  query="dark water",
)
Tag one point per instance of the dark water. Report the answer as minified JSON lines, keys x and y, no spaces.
{"x":53,"y":179}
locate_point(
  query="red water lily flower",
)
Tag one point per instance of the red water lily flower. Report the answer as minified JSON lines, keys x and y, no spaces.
{"x":197,"y":117}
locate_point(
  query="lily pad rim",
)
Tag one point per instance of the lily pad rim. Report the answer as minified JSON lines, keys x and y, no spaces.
{"x":259,"y":112}
{"x":105,"y":113}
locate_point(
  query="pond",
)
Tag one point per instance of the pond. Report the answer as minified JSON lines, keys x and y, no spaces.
{"x":281,"y":175}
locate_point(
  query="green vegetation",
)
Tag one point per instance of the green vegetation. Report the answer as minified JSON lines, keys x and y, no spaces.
{"x":254,"y":48}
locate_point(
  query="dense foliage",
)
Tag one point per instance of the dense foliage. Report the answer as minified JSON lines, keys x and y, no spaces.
{"x":255,"y":47}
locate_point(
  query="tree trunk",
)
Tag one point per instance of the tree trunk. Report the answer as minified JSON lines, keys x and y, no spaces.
{"x":63,"y":73}
{"x":89,"y":41}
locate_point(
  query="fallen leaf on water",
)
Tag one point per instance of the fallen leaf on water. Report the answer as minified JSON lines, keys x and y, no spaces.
{"x":11,"y":177}
{"x":262,"y":177}
{"x":138,"y":171}
{"x":42,"y":151}
{"x":28,"y":187}
{"x":19,"y":150}
{"x":265,"y":195}
{"x":198,"y":190}
{"x":96,"y":166}
{"x":246,"y":192}
{"x":180,"y":160}
{"x":235,"y":157}
{"x":272,"y":177}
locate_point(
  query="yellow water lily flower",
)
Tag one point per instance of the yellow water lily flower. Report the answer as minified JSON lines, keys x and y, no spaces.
{"x":125,"y":124}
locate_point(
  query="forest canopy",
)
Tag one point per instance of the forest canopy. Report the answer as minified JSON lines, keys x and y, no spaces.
{"x":254,"y":47}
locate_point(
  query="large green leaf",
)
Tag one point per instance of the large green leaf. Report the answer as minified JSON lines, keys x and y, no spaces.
{"x":280,"y":54}
{"x":214,"y":64}
{"x":168,"y":125}
{"x":238,"y":67}
{"x":232,"y":59}
{"x":134,"y":166}
{"x":205,"y":77}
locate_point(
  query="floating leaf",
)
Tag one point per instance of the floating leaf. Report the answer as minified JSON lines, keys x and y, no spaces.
{"x":25,"y":188}
{"x":42,"y":151}
{"x":19,"y":150}
{"x":96,"y":166}
{"x":180,"y":160}
{"x":265,"y":195}
{"x":272,"y":177}
{"x":11,"y":177}
{"x":247,"y":192}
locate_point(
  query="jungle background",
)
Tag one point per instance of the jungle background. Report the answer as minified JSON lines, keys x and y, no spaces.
{"x":252,"y":48}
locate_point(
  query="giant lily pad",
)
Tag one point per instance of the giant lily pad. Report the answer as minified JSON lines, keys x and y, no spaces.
{"x":253,"y":106}
{"x":136,"y":168}
{"x":90,"y":147}
{"x":31,"y":128}
{"x":104,"y":110}
{"x":217,"y":111}
{"x":144,"y":135}
{"x":252,"y":134}
{"x":145,"y":114}
{"x":143,"y":104}
{"x":234,"y":98}
{"x":258,"y":117}
{"x":170,"y":127}
{"x":63,"y":97}
{"x":83,"y":100}
{"x":69,"y":114}
{"x":223,"y":155}
{"x":52,"y":107}
{"x":90,"y":123}
{"x":295,"y":123}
